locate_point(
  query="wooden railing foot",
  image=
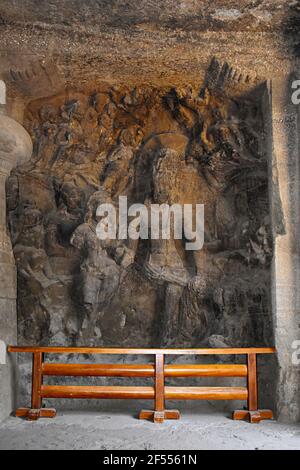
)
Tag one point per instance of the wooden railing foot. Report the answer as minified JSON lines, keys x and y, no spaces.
{"x":172,"y":414}
{"x":34,"y":414}
{"x":159,"y":416}
{"x":252,"y":416}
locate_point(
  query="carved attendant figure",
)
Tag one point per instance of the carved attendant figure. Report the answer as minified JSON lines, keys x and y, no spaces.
{"x":99,"y":268}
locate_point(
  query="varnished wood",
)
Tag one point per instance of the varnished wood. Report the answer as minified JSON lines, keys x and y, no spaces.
{"x":88,"y":391}
{"x":36,"y":399}
{"x":159,"y":414}
{"x":252,"y":382}
{"x":206,"y":393}
{"x":252,"y":416}
{"x":144,"y":370}
{"x":171,"y":393}
{"x":33,"y":415}
{"x":87,"y":350}
{"x":159,"y":393}
{"x":159,"y":383}
{"x":99,"y":370}
{"x":168,"y":414}
{"x":206,"y":370}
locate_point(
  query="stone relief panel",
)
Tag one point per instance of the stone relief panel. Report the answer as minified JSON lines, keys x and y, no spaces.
{"x":180,"y":145}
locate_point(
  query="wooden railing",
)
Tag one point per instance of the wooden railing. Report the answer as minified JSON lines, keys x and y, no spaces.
{"x":158,"y":370}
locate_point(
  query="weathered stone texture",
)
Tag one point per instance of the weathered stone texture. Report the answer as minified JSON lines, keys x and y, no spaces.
{"x":15,"y":148}
{"x":161,"y":42}
{"x":155,"y":145}
{"x":286,"y":300}
{"x":124,"y":98}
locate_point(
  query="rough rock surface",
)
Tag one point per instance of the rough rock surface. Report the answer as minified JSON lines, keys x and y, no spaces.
{"x":155,"y":145}
{"x":159,"y":41}
{"x":108,"y":105}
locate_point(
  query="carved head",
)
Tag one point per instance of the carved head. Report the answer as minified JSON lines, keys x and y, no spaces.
{"x":48,"y":113}
{"x":71,"y":196}
{"x":99,"y":197}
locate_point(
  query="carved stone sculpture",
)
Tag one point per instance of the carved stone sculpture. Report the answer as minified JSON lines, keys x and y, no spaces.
{"x":100,"y":272}
{"x":183,"y":145}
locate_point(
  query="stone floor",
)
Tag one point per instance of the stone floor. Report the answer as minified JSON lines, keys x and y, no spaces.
{"x":210,"y":429}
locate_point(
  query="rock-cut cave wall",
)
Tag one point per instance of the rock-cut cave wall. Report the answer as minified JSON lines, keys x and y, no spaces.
{"x":154,"y":145}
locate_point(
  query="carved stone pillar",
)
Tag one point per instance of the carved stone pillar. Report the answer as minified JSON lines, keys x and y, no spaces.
{"x":15,"y":148}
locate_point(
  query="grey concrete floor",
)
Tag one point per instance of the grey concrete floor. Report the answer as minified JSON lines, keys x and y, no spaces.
{"x":121,"y":430}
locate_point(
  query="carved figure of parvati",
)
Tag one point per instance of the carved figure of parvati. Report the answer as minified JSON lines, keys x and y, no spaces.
{"x":156,"y":146}
{"x":100,"y":272}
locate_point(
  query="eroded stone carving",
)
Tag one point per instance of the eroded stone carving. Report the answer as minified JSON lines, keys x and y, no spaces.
{"x":100,"y":272}
{"x":154,"y":146}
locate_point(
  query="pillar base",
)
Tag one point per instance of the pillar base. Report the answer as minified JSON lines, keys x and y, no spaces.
{"x":159,"y":416}
{"x":34,"y":414}
{"x":252,"y":416}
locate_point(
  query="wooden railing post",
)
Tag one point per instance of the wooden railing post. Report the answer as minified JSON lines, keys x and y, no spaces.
{"x":36,"y":399}
{"x":159,"y":389}
{"x":252,"y":413}
{"x":252,"y":382}
{"x":36,"y":411}
{"x":159,"y":414}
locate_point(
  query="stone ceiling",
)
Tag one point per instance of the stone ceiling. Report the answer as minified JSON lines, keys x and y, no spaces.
{"x":146,"y":41}
{"x":99,"y":15}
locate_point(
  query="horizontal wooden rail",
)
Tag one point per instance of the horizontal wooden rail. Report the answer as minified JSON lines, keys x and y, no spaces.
{"x":144,"y":370}
{"x":206,"y":393}
{"x":147,"y":351}
{"x":80,"y":391}
{"x":206,"y":370}
{"x":145,"y":393}
{"x":99,"y":370}
{"x":157,"y":371}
